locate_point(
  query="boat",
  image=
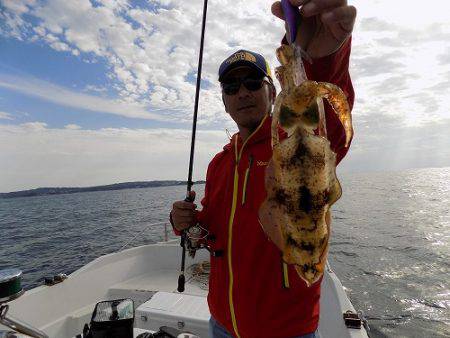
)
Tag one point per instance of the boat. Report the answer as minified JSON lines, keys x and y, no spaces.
{"x":148,"y":276}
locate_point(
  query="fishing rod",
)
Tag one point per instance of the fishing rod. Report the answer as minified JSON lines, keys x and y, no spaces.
{"x":184,"y":234}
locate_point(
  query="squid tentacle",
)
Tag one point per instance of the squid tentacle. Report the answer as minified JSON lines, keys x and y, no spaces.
{"x":338,"y":101}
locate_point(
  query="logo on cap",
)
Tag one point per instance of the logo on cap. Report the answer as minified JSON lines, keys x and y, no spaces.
{"x":244,"y":57}
{"x":241,"y":56}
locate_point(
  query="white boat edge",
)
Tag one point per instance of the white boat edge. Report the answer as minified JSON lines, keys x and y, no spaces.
{"x":139,"y":273}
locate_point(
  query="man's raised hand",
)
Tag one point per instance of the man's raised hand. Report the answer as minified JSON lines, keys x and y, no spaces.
{"x":326,"y":24}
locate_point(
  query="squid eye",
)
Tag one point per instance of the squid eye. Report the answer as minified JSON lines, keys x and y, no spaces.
{"x":287,"y":116}
{"x":311,"y":115}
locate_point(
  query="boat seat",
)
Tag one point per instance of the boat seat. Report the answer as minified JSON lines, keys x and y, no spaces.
{"x":185,"y":312}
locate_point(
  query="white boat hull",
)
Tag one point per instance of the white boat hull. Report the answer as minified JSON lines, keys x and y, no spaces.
{"x":139,"y":273}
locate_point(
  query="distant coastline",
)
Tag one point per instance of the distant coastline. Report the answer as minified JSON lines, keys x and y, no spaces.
{"x":116,"y":186}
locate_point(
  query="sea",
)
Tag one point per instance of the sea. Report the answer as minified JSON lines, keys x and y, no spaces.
{"x":390,"y":243}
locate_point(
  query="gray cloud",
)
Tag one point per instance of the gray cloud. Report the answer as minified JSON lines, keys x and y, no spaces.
{"x":393,"y":83}
{"x":444,"y":59}
{"x":437,"y":32}
{"x":427,"y":101}
{"x":376,"y":65}
{"x":393,"y":117}
{"x":385,"y":142}
{"x":413,"y":37}
{"x":34,"y":155}
{"x":374,"y":24}
{"x":441,"y":86}
{"x":395,"y":43}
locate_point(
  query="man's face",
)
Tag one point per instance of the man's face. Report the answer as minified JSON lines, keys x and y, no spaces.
{"x":247,"y":108}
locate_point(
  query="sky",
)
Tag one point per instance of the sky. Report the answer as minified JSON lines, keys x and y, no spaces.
{"x":98,"y":91}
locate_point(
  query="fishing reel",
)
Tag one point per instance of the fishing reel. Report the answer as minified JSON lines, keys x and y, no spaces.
{"x":196,"y":239}
{"x":193,"y":239}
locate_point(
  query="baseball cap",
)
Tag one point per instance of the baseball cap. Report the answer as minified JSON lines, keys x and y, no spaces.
{"x":244,"y":58}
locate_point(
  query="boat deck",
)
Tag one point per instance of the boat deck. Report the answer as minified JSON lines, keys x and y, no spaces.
{"x":149,"y":275}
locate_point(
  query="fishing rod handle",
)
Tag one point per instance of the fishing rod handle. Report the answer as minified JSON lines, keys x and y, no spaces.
{"x":181,"y":278}
{"x":181,"y":282}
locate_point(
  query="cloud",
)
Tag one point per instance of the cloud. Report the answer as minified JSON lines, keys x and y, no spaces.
{"x":13,"y":23}
{"x":151,"y":63}
{"x":399,"y":65}
{"x":149,"y":60}
{"x":392,"y":84}
{"x":34,"y":126}
{"x":377,"y":65}
{"x":385,"y":142}
{"x":5,"y":116}
{"x":374,"y":24}
{"x":72,"y":126}
{"x":444,"y":59}
{"x":98,"y":89}
{"x":33,"y":155}
{"x":65,"y":97}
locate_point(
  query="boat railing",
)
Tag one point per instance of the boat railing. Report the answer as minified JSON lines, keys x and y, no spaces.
{"x":166,"y":233}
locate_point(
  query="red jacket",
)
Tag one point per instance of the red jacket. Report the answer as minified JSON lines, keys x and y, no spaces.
{"x":251,"y":294}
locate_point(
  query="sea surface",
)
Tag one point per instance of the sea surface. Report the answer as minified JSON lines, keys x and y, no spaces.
{"x":390,"y":243}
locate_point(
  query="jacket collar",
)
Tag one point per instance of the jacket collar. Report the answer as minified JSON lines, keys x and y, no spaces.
{"x":261,"y":133}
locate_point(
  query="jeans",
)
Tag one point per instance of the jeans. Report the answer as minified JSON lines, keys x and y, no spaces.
{"x":217,"y":331}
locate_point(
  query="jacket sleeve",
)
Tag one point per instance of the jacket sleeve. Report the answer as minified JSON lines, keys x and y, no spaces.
{"x":334,"y":69}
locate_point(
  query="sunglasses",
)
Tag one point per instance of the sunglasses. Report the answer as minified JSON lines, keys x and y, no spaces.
{"x":232,"y":87}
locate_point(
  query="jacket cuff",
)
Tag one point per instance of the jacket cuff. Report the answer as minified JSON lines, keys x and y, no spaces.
{"x":327,"y":67}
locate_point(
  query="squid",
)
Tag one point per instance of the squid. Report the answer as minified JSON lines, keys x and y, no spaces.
{"x":300,"y":180}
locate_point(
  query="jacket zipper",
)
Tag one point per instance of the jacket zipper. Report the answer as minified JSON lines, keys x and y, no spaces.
{"x":285,"y":274}
{"x":230,"y":224}
{"x":247,"y":175}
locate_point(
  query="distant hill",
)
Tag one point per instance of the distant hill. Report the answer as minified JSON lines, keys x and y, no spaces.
{"x":117,"y":186}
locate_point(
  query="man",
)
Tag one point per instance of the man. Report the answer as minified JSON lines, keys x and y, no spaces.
{"x":251,"y":293}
